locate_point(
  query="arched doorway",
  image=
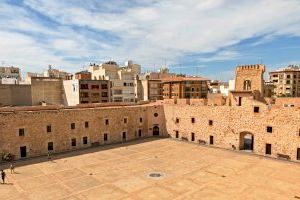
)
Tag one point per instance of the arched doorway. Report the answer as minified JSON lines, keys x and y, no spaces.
{"x":246,"y":141}
{"x":155,"y":131}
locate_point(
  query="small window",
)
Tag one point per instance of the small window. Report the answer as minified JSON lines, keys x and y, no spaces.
{"x":72,"y":125}
{"x":177,"y":120}
{"x":73,"y":142}
{"x":105,"y":137}
{"x":256,"y":109}
{"x":269,"y":129}
{"x":106,"y":122}
{"x":268,"y":149}
{"x":86,"y":124}
{"x":177,"y":134}
{"x":155,"y":114}
{"x":193,"y":120}
{"x":125,"y":120}
{"x":50,"y":146}
{"x":141,"y":120}
{"x":85,"y":140}
{"x":49,"y":129}
{"x":210,"y":122}
{"x":21,"y":132}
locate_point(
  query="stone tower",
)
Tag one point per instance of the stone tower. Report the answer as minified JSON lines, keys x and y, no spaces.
{"x":250,"y":78}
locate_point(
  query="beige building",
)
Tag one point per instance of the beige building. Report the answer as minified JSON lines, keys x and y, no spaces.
{"x":185,"y":87}
{"x":42,"y":90}
{"x":286,"y":81}
{"x":122,"y":79}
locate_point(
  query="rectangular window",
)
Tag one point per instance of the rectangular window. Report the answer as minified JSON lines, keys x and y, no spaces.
{"x":177,"y":134}
{"x":104,"y":94}
{"x":73,"y":142}
{"x":104,"y":86}
{"x":72,"y":125}
{"x":84,"y":140}
{"x":210,"y":122}
{"x":125,"y":120}
{"x":106,"y":122}
{"x":268,"y":149}
{"x":269,"y":129}
{"x":86,"y":124}
{"x":193,"y":120}
{"x":105,"y":137}
{"x":124,"y":135}
{"x":49,"y":129}
{"x":177,"y":120}
{"x":256,"y":109}
{"x":21,"y":132}
{"x":50,"y":146}
{"x":141,"y":120}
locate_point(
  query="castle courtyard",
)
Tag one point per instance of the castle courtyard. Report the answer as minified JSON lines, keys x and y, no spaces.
{"x":153,"y":169}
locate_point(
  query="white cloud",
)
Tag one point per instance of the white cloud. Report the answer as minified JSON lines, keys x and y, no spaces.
{"x":149,"y":32}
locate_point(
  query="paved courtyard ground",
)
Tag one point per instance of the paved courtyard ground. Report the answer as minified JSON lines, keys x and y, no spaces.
{"x":121,"y":172}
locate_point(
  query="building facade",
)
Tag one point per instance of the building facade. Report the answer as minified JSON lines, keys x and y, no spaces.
{"x":83,"y":91}
{"x":10,"y":72}
{"x":286,"y":81}
{"x":123,"y":85}
{"x":185,"y":87}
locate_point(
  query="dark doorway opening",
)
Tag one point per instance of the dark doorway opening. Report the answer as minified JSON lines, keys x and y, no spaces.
{"x":192,"y":136}
{"x":211,"y":139}
{"x":246,"y":141}
{"x":155,"y":131}
{"x":240,"y":101}
{"x":140,"y":133}
{"x":23,"y":152}
{"x":124,"y":135}
{"x":298,"y":153}
{"x":268,"y":149}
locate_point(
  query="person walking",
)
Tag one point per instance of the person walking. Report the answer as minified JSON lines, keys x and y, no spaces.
{"x":12,"y":168}
{"x":3,"y":176}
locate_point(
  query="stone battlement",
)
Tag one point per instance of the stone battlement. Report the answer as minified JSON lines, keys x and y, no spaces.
{"x":260,"y":67}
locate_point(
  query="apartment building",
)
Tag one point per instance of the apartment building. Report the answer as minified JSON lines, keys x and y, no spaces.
{"x":286,"y":81}
{"x":185,"y":87}
{"x":82,"y":90}
{"x":10,"y":75}
{"x":122,"y":79}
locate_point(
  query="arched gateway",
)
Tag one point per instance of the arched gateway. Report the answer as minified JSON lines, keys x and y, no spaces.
{"x":246,"y":141}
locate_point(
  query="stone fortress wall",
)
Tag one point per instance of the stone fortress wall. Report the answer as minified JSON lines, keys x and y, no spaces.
{"x":240,"y":122}
{"x":36,"y":138}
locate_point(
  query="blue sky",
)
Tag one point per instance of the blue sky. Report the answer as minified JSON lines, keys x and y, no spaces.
{"x":207,"y":38}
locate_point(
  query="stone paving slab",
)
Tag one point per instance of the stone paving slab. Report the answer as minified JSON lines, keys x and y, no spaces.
{"x":122,"y":172}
